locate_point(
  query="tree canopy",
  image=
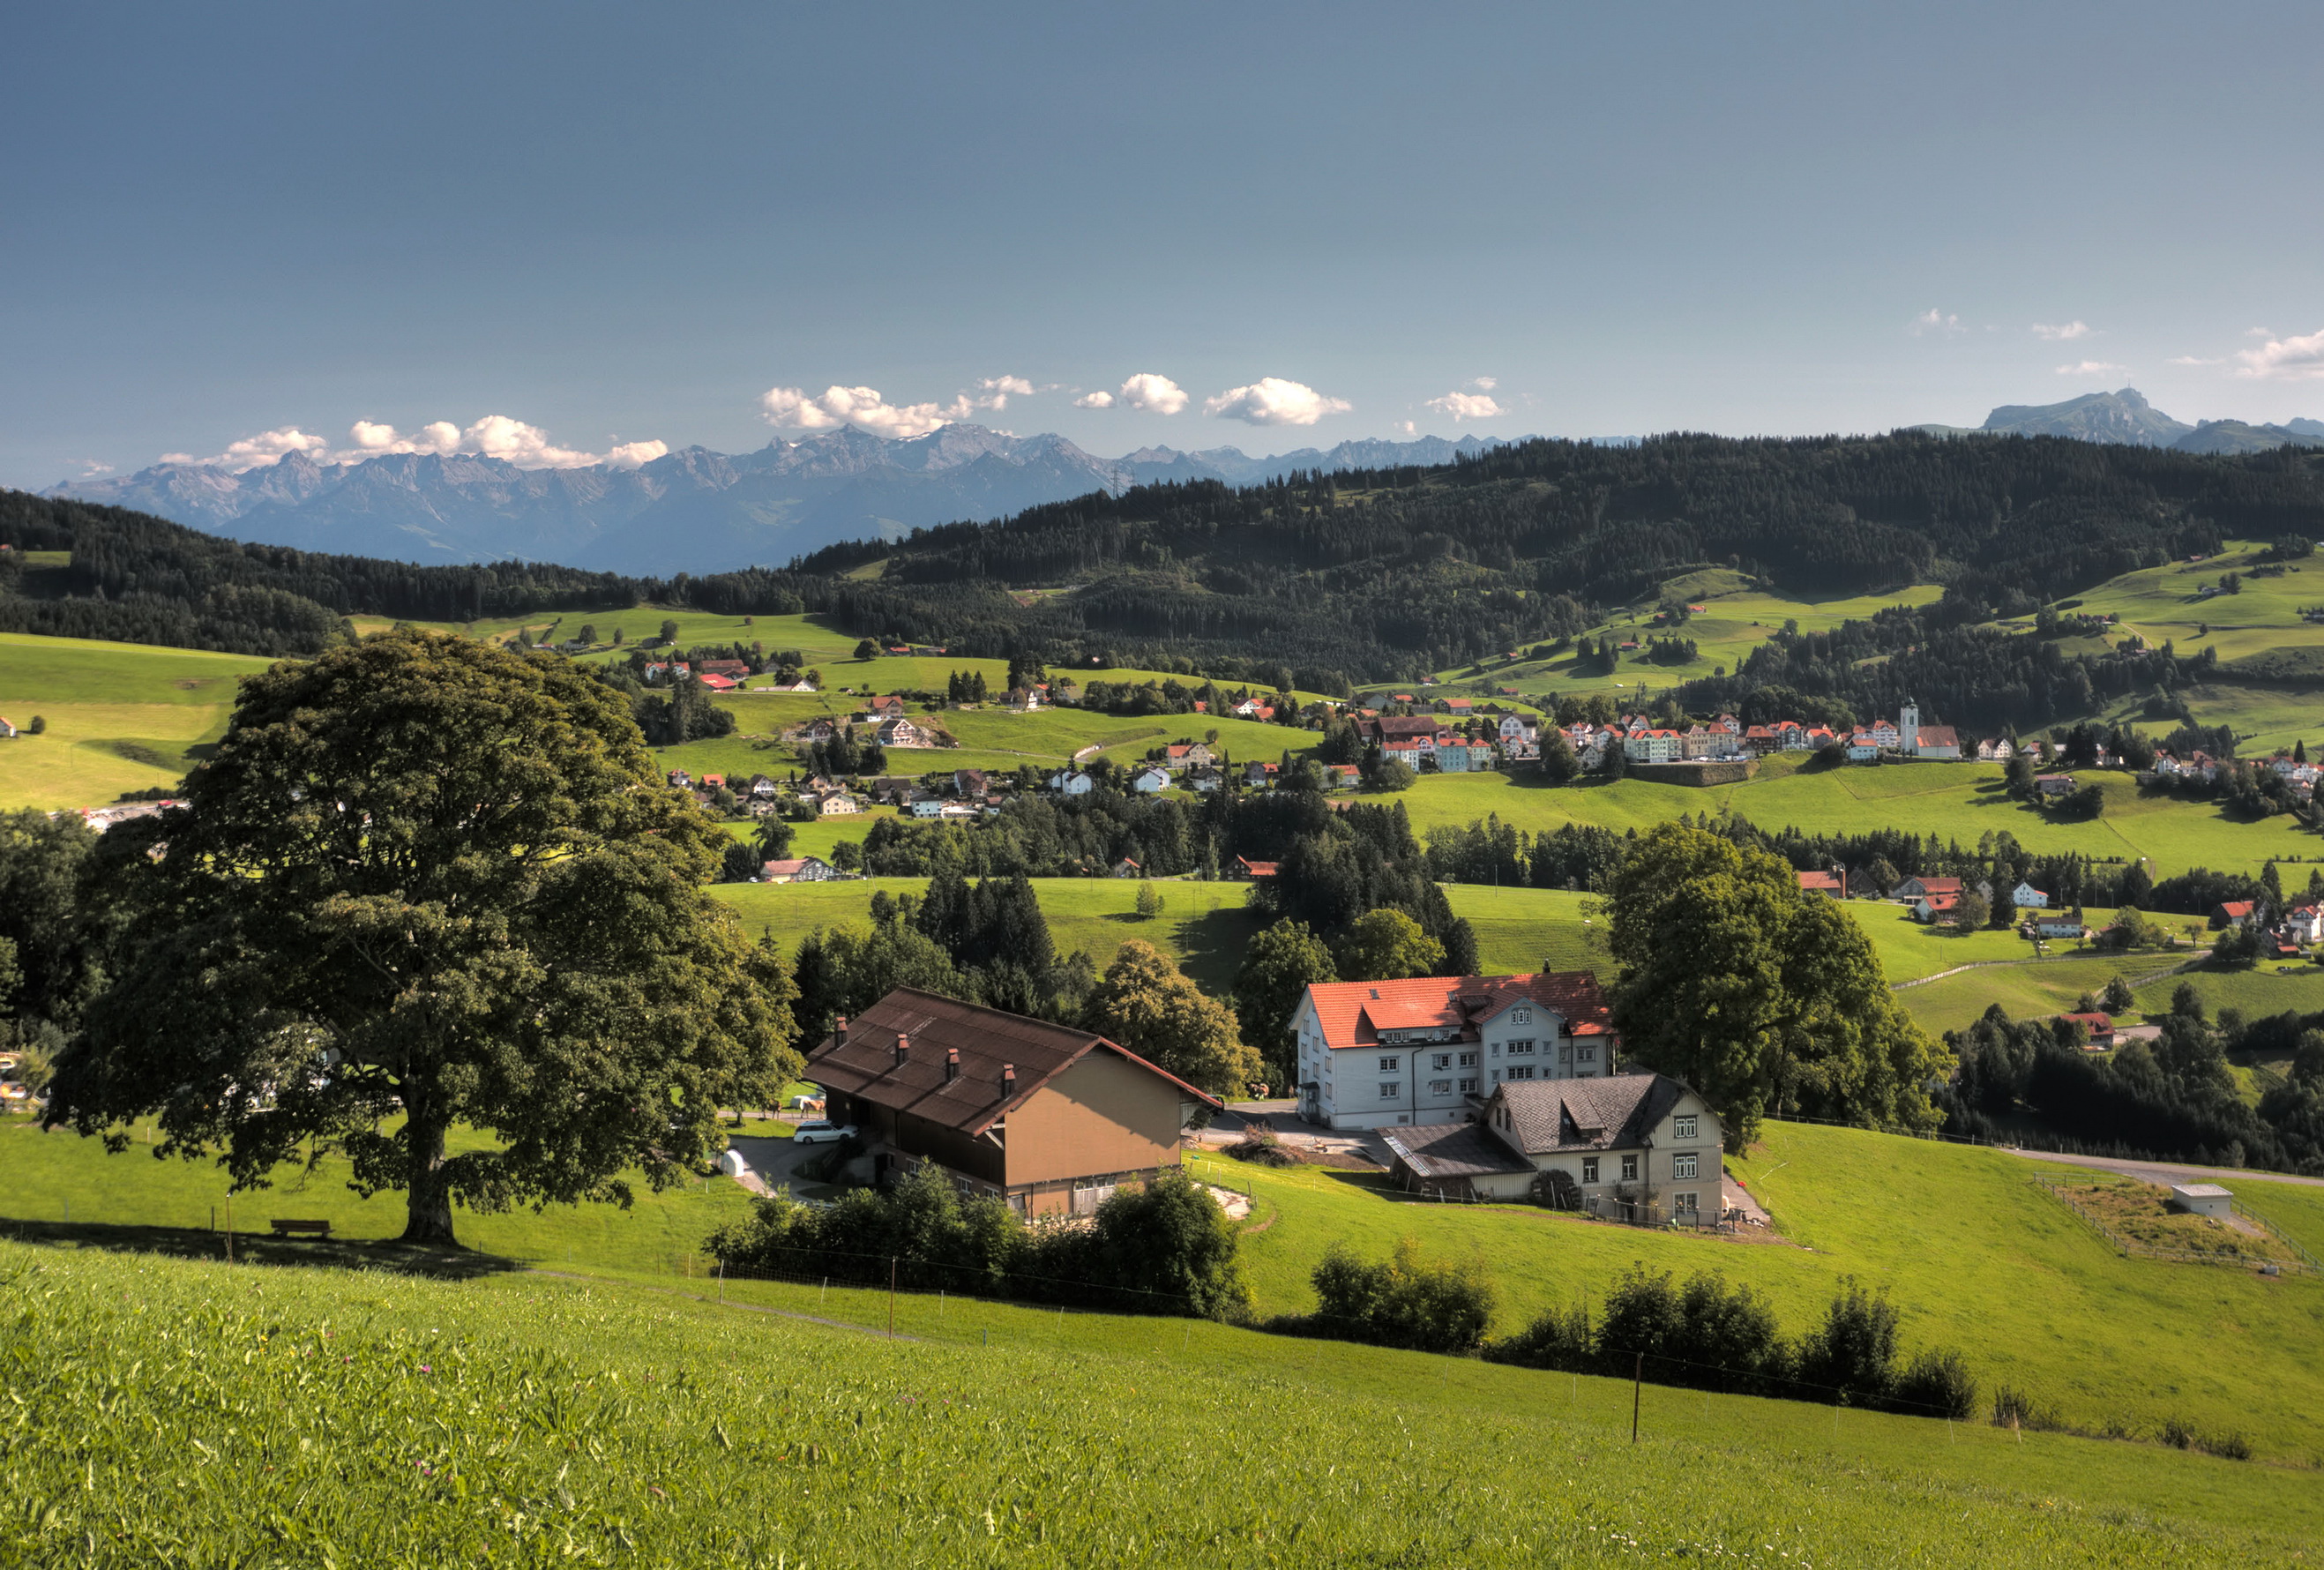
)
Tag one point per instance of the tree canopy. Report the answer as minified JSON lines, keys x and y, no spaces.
{"x":425,"y":885}
{"x":1767,"y":1000}
{"x":1147,"y":1005}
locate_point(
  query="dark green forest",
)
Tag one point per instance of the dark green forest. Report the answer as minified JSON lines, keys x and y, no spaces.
{"x":1365,"y":575}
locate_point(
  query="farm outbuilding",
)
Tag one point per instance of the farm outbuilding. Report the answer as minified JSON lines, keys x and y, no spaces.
{"x":2202,"y":1199}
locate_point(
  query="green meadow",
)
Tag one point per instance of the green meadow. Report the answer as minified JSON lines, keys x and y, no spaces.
{"x":121,"y":716}
{"x":189,"y":1413}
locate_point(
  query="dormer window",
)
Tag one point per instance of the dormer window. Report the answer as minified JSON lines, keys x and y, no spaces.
{"x":1520,"y":1016}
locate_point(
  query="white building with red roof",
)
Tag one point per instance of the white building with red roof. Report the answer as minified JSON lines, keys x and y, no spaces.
{"x":1433,"y":1049}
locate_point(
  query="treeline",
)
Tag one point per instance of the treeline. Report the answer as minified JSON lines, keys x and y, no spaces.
{"x":1412,"y":569}
{"x":2173,"y":1100}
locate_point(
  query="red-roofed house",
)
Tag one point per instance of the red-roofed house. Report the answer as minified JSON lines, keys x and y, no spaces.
{"x":1830,"y":883}
{"x":2233,"y":913}
{"x":2100,"y":1028}
{"x":715,"y":683}
{"x":1247,"y":868}
{"x":1432,"y":1049}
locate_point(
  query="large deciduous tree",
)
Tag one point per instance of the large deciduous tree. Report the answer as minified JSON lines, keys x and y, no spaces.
{"x":1765,"y":999}
{"x":1147,"y":1004}
{"x":427,"y":885}
{"x":1283,"y":961}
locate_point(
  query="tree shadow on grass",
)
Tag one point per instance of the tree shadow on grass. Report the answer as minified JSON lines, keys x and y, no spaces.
{"x":1214,"y":944}
{"x":185,"y":1242}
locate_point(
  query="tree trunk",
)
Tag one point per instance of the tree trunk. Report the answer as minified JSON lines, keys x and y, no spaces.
{"x":428,"y":1213}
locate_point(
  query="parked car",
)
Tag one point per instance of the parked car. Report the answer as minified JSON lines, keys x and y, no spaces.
{"x":822,"y":1130}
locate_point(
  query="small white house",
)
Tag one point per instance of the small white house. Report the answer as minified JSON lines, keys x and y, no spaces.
{"x":2026,"y":897}
{"x":2203,"y":1199}
{"x":1071,"y":783}
{"x":1150,"y":780}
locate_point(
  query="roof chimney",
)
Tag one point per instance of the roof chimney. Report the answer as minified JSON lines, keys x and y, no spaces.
{"x":903,"y":1048}
{"x":1007,"y":1080}
{"x":839,"y":1032}
{"x":951,"y":1064}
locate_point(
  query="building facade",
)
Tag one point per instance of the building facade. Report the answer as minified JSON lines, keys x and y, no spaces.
{"x":1432,"y":1049}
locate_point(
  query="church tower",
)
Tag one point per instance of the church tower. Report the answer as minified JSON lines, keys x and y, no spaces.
{"x":1908,"y":729}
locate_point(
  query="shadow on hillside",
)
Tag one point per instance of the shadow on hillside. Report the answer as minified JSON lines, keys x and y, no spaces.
{"x":1214,"y":943}
{"x":182,"y":1243}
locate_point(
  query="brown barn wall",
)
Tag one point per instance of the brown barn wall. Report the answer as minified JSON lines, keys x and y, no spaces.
{"x":1102,"y":1115}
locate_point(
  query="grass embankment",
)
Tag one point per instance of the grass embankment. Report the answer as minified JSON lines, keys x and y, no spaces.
{"x":189,"y":1413}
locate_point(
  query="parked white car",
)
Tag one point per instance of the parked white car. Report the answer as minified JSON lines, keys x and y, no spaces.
{"x":822,"y":1130}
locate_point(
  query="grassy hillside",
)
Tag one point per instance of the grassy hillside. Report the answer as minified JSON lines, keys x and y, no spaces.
{"x":186,"y":1413}
{"x":121,"y":716}
{"x":1737,"y":619}
{"x":1976,"y":1256}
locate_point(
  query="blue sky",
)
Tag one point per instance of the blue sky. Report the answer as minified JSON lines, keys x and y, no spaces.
{"x":612,"y":225}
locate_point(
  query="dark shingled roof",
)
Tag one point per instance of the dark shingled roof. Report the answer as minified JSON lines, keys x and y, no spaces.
{"x":1548,"y":1115}
{"x":1452,"y":1150}
{"x":865,"y":1064}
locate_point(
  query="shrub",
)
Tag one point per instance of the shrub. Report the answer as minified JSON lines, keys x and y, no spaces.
{"x":1163,"y":1248}
{"x":1421,"y":1305}
{"x":1851,"y":1355}
{"x":1936,"y":1384}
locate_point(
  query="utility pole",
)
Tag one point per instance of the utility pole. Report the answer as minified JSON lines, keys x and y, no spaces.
{"x":891,"y":1295}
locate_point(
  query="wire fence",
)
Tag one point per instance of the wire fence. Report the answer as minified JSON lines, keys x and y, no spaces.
{"x":2301,"y":1262}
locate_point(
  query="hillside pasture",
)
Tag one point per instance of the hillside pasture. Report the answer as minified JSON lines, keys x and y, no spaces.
{"x":121,"y":716}
{"x":381,"y":1419}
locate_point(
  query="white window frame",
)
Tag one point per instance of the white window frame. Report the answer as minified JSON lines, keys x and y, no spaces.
{"x":1683,"y":1128}
{"x":1391,"y":1089}
{"x":1520,"y":1016}
{"x":1685,"y":1167}
{"x":1630,"y":1168}
{"x":1468,"y":1060}
{"x":1587,"y":1054}
{"x":1391,"y":1065}
{"x":1441,"y":1060}
{"x":1468,"y":1087}
{"x":1590,"y":1168}
{"x":1521,"y":1049}
{"x":1440,"y":1087}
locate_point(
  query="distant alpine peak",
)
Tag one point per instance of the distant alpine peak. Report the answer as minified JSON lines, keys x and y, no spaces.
{"x":694,"y":509}
{"x":2124,"y":417}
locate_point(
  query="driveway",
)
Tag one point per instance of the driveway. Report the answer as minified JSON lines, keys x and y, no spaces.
{"x":772,"y":1159}
{"x":2166,"y":1172}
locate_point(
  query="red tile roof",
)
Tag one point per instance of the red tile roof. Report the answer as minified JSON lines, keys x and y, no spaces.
{"x":1821,"y":881}
{"x":1353,"y":1013}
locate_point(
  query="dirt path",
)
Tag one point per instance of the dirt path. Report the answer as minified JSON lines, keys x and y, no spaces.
{"x":2165,"y":1172}
{"x":2173,"y":969}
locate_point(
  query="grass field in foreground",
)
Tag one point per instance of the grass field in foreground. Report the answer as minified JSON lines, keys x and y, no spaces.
{"x":189,"y":1413}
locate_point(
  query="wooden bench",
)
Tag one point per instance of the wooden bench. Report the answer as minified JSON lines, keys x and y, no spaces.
{"x":301,"y":1228}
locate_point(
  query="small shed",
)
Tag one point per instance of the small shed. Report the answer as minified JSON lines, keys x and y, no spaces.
{"x":2202,"y":1199}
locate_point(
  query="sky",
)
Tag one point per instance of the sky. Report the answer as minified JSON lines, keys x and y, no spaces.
{"x":569,"y":231}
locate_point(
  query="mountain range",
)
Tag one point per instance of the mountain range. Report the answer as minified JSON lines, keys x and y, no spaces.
{"x":693,"y":510}
{"x":2127,"y":419}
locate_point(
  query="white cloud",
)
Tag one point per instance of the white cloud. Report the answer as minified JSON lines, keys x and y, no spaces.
{"x":2094,"y":368}
{"x":630,"y":455}
{"x":1484,"y":384}
{"x":1468,"y":406}
{"x":90,"y":468}
{"x":1933,"y":321}
{"x":1406,"y":426}
{"x":867,"y":409}
{"x":2292,"y":359}
{"x":2073,"y":329}
{"x":496,"y":435}
{"x":253,"y":452}
{"x":1272,"y":401}
{"x":2194,"y":360}
{"x":1098,"y":400}
{"x":1153,"y":394}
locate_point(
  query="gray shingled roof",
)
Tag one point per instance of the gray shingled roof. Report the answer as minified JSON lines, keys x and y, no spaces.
{"x":1548,"y":1115}
{"x":1452,"y":1150}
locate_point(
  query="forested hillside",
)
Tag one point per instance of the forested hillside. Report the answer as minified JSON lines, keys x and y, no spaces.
{"x":1368,"y":575}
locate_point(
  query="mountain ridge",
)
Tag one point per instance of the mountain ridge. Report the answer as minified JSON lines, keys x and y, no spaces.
{"x":693,"y":510}
{"x":2125,"y":418}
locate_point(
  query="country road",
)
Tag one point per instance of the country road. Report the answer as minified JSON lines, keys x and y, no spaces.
{"x":2165,"y":1172}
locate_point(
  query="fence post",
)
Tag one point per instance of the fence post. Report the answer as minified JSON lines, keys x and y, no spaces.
{"x":1637,"y":1385}
{"x":891,"y":1294}
{"x":722,"y":1279}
